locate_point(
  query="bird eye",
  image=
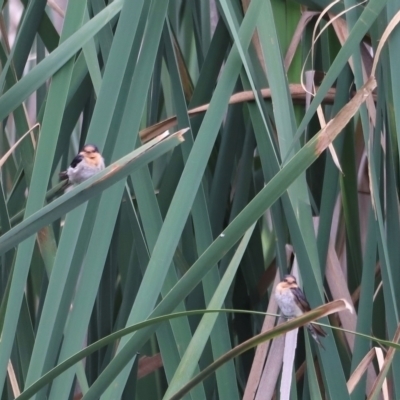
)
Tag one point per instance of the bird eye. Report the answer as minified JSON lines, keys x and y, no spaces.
{"x":89,"y":150}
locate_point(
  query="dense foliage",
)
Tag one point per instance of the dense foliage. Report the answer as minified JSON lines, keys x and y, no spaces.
{"x":281,"y":160}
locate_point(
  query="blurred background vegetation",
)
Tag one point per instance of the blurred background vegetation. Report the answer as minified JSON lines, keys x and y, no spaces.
{"x":211,"y":221}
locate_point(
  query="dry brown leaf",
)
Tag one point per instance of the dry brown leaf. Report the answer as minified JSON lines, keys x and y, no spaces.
{"x":336,"y":125}
{"x":367,"y":58}
{"x":306,"y":17}
{"x":13,"y":379}
{"x":266,"y":279}
{"x":297,"y":93}
{"x":13,"y":147}
{"x":315,"y":37}
{"x":360,"y":370}
{"x":383,"y":39}
{"x":186,"y":80}
{"x":378,"y":289}
{"x":255,"y":39}
{"x":338,"y":287}
{"x":277,"y":332}
{"x":261,"y":352}
{"x":55,"y":7}
{"x":310,"y":87}
{"x":355,"y":296}
{"x":340,"y":27}
{"x":381,"y":360}
{"x":333,"y":18}
{"x":288,"y":362}
{"x":147,"y":365}
{"x":272,"y":369}
{"x":289,"y":348}
{"x":384,"y":368}
{"x":152,"y":131}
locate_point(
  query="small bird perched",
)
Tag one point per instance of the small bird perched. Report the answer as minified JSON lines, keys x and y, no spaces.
{"x":86,"y":164}
{"x":293,"y":303}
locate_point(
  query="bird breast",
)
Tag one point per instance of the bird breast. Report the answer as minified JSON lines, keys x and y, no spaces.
{"x":83,"y":171}
{"x":287,"y":303}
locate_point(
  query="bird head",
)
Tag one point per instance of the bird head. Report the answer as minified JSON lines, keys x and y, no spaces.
{"x":91,"y":154}
{"x":90,"y":151}
{"x":290,"y":279}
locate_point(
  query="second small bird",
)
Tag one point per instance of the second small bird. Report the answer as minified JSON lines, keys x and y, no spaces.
{"x":293,"y":303}
{"x":86,"y":164}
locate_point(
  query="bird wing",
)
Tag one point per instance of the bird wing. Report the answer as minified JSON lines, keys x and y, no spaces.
{"x":302,"y":302}
{"x":318,"y":329}
{"x":76,"y":161}
{"x":63,"y":175}
{"x":300,"y":299}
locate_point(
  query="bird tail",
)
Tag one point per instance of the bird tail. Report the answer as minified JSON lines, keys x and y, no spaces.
{"x":63,"y":175}
{"x":315,"y":331}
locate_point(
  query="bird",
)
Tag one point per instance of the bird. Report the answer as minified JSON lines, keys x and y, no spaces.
{"x":87,"y":163}
{"x":293,"y":303}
